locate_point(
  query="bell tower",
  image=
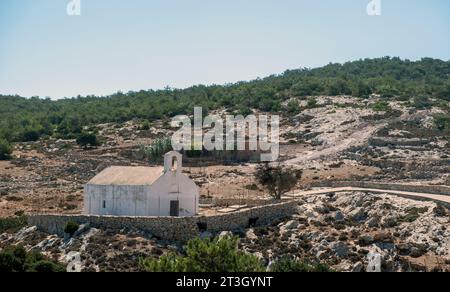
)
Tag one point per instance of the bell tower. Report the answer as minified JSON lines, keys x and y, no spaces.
{"x":173,"y":162}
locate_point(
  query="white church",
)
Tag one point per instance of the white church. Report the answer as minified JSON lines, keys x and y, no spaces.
{"x":143,"y":191}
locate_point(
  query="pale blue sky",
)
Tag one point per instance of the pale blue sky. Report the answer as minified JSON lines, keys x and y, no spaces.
{"x":148,"y":44}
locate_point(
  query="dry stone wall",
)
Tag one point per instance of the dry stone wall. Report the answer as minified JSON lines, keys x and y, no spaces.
{"x":171,"y":228}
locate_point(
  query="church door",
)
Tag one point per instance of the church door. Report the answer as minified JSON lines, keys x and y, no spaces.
{"x":174,"y":208}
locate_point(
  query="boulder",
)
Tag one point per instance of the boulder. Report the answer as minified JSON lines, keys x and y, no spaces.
{"x":250,"y":234}
{"x":365,"y":240}
{"x":374,"y":262}
{"x":359,"y":214}
{"x":340,"y":249}
{"x":358,"y":267}
{"x":339,"y":216}
{"x":389,"y":222}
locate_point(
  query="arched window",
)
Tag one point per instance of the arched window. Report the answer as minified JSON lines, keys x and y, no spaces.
{"x":174,"y":163}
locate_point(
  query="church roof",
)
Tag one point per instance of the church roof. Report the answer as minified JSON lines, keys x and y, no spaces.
{"x":122,"y":175}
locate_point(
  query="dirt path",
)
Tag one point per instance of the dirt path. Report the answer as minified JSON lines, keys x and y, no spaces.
{"x":358,"y":137}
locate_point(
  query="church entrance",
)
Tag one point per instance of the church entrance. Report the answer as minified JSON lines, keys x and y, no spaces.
{"x":175,"y":208}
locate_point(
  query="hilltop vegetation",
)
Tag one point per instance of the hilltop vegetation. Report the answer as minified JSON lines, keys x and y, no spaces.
{"x":29,"y":119}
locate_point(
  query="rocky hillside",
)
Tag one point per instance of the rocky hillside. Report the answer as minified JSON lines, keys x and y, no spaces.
{"x":348,"y":231}
{"x":359,"y":232}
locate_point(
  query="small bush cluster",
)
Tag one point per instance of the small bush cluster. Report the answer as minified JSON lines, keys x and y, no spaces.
{"x":442,"y":122}
{"x":87,"y":139}
{"x":156,"y":150}
{"x":5,"y":150}
{"x":12,"y":224}
{"x":71,"y":227}
{"x":381,"y":106}
{"x":222,"y":255}
{"x":17,"y":259}
{"x":206,"y":255}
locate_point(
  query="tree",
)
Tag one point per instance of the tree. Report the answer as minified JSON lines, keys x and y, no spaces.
{"x":442,"y":122}
{"x":155,"y":151}
{"x":5,"y":150}
{"x":293,"y":107}
{"x":422,"y":102}
{"x":278,"y":179}
{"x":30,"y":135}
{"x":85,"y":139}
{"x":381,"y":106}
{"x":17,"y":259}
{"x":206,"y":255}
{"x":71,"y":227}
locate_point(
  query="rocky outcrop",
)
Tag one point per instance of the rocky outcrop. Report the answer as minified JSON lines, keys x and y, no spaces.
{"x":357,"y":231}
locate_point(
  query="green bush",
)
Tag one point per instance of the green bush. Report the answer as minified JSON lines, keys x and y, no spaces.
{"x":288,"y":265}
{"x":293,"y":107}
{"x":145,"y":126}
{"x":30,"y":136}
{"x":381,"y":106}
{"x":12,"y":224}
{"x":71,"y":227}
{"x":442,"y":122}
{"x":87,"y":139}
{"x":5,"y":150}
{"x":156,"y":150}
{"x":206,"y":255}
{"x":277,"y":179}
{"x":312,"y":103}
{"x":421,"y":102}
{"x":16,"y":259}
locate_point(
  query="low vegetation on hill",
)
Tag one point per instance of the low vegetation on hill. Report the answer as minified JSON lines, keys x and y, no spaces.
{"x":425,"y":82}
{"x":17,"y":259}
{"x":221,"y":254}
{"x":5,"y":150}
{"x":206,"y":255}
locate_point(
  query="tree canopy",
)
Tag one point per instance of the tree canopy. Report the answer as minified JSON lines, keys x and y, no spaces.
{"x":27,"y":119}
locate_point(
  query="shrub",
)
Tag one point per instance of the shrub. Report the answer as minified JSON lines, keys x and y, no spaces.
{"x":71,"y":227}
{"x":288,"y":265}
{"x":206,"y":255}
{"x":422,"y":102}
{"x":312,"y":103}
{"x":12,"y":224}
{"x":45,"y":266}
{"x":145,"y":126}
{"x":381,"y":106}
{"x":293,"y":107}
{"x":87,"y":139}
{"x":17,"y":259}
{"x":156,"y":149}
{"x":5,"y":150}
{"x":278,"y":179}
{"x":30,"y":136}
{"x":442,"y":122}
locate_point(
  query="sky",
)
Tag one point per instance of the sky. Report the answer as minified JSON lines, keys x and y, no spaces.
{"x":117,"y":45}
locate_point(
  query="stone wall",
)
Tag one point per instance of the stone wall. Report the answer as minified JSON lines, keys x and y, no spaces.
{"x":171,"y":228}
{"x":386,"y":141}
{"x":223,"y":202}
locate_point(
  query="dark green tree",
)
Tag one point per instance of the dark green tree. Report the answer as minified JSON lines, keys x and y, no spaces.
{"x":277,"y":179}
{"x":5,"y":150}
{"x":206,"y":255}
{"x":17,"y":259}
{"x":87,"y":139}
